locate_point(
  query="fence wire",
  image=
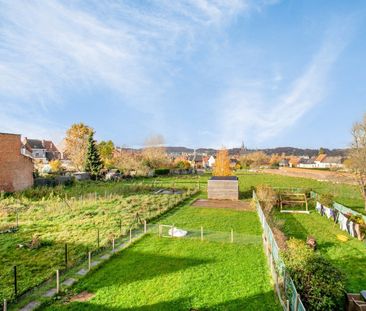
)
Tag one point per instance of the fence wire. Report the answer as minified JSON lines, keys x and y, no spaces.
{"x":212,"y":236}
{"x":285,"y":287}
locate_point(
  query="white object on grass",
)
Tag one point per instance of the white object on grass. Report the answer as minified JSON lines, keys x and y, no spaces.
{"x":177,"y":232}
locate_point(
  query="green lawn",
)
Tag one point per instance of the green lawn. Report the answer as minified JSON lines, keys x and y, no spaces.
{"x":179,"y":274}
{"x":349,"y":257}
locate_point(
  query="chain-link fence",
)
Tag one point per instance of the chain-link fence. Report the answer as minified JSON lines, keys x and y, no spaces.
{"x":285,"y":287}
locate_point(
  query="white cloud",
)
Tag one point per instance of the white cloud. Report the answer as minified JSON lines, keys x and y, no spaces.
{"x":48,"y":48}
{"x":249,"y":113}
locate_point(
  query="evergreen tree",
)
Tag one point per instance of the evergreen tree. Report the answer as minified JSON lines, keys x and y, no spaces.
{"x":93,"y":163}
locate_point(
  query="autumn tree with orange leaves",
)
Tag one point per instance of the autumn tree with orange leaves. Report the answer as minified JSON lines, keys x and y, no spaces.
{"x":222,"y":164}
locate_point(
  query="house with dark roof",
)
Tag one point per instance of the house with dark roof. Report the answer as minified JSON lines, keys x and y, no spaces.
{"x":307,"y":163}
{"x":325,"y":161}
{"x":43,"y":150}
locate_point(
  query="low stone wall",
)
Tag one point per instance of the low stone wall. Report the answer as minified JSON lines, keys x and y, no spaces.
{"x":223,"y":189}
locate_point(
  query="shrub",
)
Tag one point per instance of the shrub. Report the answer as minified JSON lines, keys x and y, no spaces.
{"x":267,"y":197}
{"x":162,"y":171}
{"x":326,"y":199}
{"x":319,"y":283}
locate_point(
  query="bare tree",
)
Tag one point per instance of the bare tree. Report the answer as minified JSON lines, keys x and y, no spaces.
{"x":154,"y":152}
{"x":357,"y":155}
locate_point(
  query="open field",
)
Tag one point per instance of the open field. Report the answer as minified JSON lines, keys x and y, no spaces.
{"x":318,"y":174}
{"x":180,"y":274}
{"x":45,"y":226}
{"x":349,"y":257}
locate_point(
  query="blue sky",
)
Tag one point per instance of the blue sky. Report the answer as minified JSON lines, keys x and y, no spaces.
{"x":199,"y":72}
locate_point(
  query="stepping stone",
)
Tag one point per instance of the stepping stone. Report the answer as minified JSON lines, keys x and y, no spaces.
{"x":106,"y":256}
{"x":69,"y":282}
{"x":82,"y":272}
{"x":95,"y":263}
{"x":31,"y":306}
{"x":50,"y":293}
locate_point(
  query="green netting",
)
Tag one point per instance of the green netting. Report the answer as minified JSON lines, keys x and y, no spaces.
{"x":289,"y":290}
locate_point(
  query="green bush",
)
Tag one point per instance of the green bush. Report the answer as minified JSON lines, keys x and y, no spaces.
{"x":326,"y":199}
{"x":320,"y":284}
{"x":162,"y":171}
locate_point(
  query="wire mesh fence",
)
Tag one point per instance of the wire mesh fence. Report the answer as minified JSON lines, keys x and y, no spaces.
{"x":285,"y":287}
{"x":203,"y":234}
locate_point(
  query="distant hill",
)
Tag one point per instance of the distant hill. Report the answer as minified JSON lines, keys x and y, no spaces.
{"x":269,"y":151}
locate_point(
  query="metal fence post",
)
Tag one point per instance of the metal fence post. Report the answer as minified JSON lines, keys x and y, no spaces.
{"x":66,"y":256}
{"x":5,"y":308}
{"x":15,"y":282}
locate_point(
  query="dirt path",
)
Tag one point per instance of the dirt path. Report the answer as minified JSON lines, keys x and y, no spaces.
{"x":320,"y":175}
{"x":236,"y":205}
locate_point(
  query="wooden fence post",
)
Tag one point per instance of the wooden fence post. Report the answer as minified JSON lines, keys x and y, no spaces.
{"x":296,"y":302}
{"x":201,"y":233}
{"x":98,"y":241}
{"x":113,"y":244}
{"x":5,"y":308}
{"x":89,"y":260}
{"x":57,"y":281}
{"x":130,"y":235}
{"x":145,"y":226}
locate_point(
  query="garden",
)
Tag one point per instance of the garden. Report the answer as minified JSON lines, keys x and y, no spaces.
{"x":54,"y":228}
{"x":90,"y":215}
{"x":162,"y":273}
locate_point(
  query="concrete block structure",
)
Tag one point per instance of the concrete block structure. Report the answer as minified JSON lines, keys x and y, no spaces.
{"x":16,"y":169}
{"x":223,"y":188}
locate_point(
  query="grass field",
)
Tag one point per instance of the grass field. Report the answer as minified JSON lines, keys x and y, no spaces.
{"x":349,"y":257}
{"x":54,"y":222}
{"x":179,"y":274}
{"x":46,"y":214}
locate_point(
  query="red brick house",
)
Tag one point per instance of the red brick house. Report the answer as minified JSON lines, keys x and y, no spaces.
{"x":16,"y":169}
